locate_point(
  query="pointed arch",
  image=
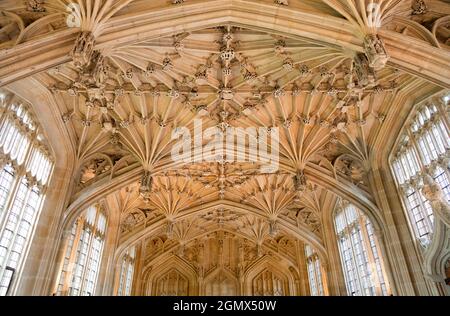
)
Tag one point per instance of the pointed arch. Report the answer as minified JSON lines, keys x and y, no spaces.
{"x":155,"y":282}
{"x":266,"y":277}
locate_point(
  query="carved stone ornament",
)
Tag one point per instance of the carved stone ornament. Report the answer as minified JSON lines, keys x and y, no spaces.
{"x":364,"y":73}
{"x":273,"y":228}
{"x":419,"y":7}
{"x":146,"y":185}
{"x":282,"y":2}
{"x":300,"y":181}
{"x":375,"y":51}
{"x":35,"y":6}
{"x":433,"y":193}
{"x":83,"y":50}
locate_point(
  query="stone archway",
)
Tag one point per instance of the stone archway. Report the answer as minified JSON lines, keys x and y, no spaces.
{"x":220,"y":283}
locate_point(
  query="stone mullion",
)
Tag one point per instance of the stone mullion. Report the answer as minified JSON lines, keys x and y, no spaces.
{"x":10,"y":129}
{"x":442,"y":113}
{"x":27,"y":245}
{"x":348,"y":234}
{"x":369,"y":251}
{"x":132,"y":265}
{"x":415,"y":146}
{"x":72,"y":258}
{"x":422,"y":166}
{"x":346,"y":273}
{"x":311,"y":261}
{"x":442,"y":130}
{"x":429,"y":133}
{"x":409,"y":164}
{"x":4,"y":118}
{"x":447,"y":173}
{"x":404,"y":168}
{"x":119,"y":278}
{"x":302,"y":267}
{"x":19,"y":173}
{"x":88,"y":255}
{"x":318,"y":274}
{"x":14,"y":233}
{"x":354,"y":226}
{"x":87,"y":261}
{"x":18,"y":133}
{"x":427,"y":146}
{"x":423,"y":210}
{"x":378,"y":239}
{"x":31,"y":148}
{"x":10,"y":199}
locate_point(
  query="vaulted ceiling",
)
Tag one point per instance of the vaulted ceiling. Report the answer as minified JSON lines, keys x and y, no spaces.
{"x":127,"y":84}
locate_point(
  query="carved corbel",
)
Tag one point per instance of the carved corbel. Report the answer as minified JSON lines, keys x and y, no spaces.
{"x":300,"y":181}
{"x":169,"y":228}
{"x":375,"y":51}
{"x":146,"y":185}
{"x":83,"y":49}
{"x":273,"y":227}
{"x":35,"y":6}
{"x":419,"y":7}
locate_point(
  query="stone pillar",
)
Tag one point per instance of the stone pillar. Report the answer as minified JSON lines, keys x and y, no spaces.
{"x":60,"y":260}
{"x":139,"y":265}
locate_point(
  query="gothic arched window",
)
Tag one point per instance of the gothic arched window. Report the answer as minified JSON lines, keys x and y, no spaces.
{"x":25,"y":169}
{"x":359,"y":249}
{"x":315,"y":273}
{"x":83,"y":254}
{"x":126,"y":272}
{"x":424,"y":146}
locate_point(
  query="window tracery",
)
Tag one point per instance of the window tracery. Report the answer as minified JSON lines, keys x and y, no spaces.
{"x":83,"y":254}
{"x":359,"y":249}
{"x":25,"y":169}
{"x":127,"y":272}
{"x":314,"y":269}
{"x":424,"y":148}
